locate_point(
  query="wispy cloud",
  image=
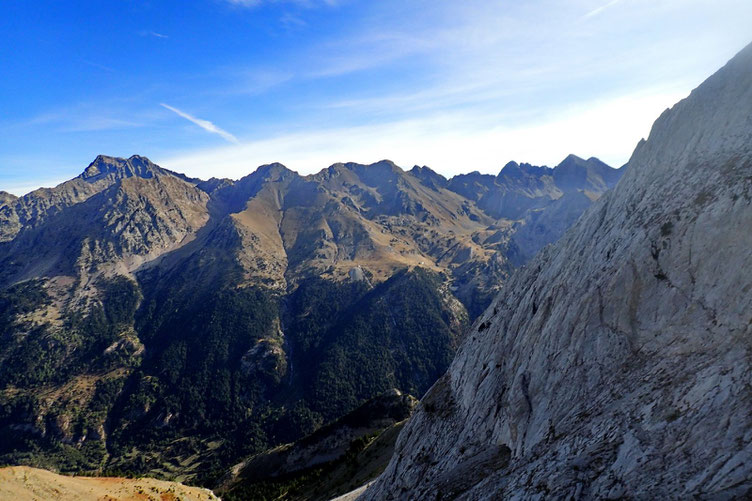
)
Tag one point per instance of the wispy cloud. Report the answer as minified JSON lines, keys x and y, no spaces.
{"x":448,"y":142}
{"x":100,"y":123}
{"x":204,"y":124}
{"x":154,"y":34}
{"x":600,"y":9}
{"x":459,"y":86}
{"x":88,"y":117}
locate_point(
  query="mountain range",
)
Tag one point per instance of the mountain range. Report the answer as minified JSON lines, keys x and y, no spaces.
{"x":155,"y":323}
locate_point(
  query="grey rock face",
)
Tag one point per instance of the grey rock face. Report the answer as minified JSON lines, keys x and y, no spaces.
{"x":33,"y":209}
{"x":134,"y":220}
{"x":617,"y":363}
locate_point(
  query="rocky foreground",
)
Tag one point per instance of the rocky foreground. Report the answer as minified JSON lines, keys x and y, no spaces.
{"x":32,"y":484}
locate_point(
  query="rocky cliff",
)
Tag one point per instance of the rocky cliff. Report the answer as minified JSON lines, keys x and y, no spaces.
{"x":617,"y":363}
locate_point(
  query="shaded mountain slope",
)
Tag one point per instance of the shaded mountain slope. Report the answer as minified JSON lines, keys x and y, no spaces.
{"x":133,"y":221}
{"x":617,"y":363}
{"x":333,"y":460}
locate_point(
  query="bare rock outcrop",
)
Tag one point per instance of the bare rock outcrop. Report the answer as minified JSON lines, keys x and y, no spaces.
{"x":617,"y":364}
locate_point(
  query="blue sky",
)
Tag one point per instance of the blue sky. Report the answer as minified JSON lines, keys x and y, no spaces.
{"x":218,"y":87}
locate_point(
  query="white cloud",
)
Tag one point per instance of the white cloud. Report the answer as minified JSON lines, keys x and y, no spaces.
{"x":204,"y":124}
{"x":89,"y":117}
{"x":449,"y":143}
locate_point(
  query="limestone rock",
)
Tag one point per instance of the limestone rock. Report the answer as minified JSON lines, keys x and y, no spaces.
{"x":617,"y":364}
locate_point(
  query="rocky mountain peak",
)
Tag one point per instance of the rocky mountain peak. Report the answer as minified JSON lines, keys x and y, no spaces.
{"x":36,"y":207}
{"x":334,"y":170}
{"x":516,"y":171}
{"x":575,"y":173}
{"x":376,"y":174}
{"x":429,"y":177}
{"x":572,"y":159}
{"x":7,"y":198}
{"x":274,"y":171}
{"x":103,"y":166}
{"x":381,"y":164}
{"x":382,"y":176}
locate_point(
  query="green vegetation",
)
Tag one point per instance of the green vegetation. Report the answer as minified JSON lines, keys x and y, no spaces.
{"x":395,"y":336}
{"x":195,"y":383}
{"x":183,"y":379}
{"x":47,"y":355}
{"x":63,"y":433}
{"x":21,"y":298}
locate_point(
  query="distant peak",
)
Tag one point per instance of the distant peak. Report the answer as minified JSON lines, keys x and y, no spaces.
{"x":274,"y":166}
{"x":573,"y":158}
{"x":104,"y":165}
{"x":337,"y":166}
{"x":424,"y":169}
{"x":385,"y":162}
{"x":140,"y":159}
{"x":353,"y":166}
{"x":573,"y":161}
{"x":428,"y":176}
{"x":510,"y":169}
{"x":274,"y":170}
{"x":381,"y":164}
{"x":516,"y":170}
{"x":574,"y":173}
